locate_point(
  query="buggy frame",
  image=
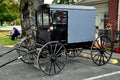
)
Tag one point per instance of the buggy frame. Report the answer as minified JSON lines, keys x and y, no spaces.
{"x":62,"y":31}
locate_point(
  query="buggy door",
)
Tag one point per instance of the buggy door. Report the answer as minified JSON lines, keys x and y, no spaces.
{"x":60,"y":25}
{"x":43,"y":24}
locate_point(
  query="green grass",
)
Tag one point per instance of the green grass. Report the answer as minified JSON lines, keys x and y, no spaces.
{"x":1,"y":26}
{"x":5,"y":40}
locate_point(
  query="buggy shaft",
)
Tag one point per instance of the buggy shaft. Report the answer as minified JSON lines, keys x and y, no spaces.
{"x":8,"y":62}
{"x":11,"y":61}
{"x":7,"y":52}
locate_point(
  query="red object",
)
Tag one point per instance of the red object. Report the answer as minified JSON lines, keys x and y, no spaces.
{"x":61,"y":18}
{"x":117,"y":50}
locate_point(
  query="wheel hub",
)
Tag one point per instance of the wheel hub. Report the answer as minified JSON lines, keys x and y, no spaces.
{"x":53,"y":59}
{"x":102,"y":50}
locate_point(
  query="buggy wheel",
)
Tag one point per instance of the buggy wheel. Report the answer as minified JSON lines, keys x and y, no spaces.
{"x":101,"y":50}
{"x":74,"y":52}
{"x":25,"y":47}
{"x":54,"y":58}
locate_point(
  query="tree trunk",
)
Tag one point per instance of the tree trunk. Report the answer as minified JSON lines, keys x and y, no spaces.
{"x":1,"y":23}
{"x":27,"y":9}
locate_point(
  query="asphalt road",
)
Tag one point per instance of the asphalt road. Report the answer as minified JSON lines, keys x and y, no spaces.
{"x":75,"y":69}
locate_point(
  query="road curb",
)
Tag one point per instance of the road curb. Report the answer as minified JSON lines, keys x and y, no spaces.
{"x":112,"y":60}
{"x":8,"y":46}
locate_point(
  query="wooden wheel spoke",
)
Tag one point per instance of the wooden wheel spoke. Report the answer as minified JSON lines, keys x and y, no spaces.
{"x":57,"y":65}
{"x":98,"y":57}
{"x":58,"y":55}
{"x":50,"y":68}
{"x":97,"y":45}
{"x":96,"y":54}
{"x":96,"y":48}
{"x":105,"y":46}
{"x":53,"y":51}
{"x":107,"y":53}
{"x":103,"y":60}
{"x":100,"y":60}
{"x":60,"y":62}
{"x":26,"y":46}
{"x":105,"y":56}
{"x":54,"y":67}
{"x":98,"y":42}
{"x":55,"y":48}
{"x":59,"y":50}
{"x":101,"y":41}
{"x":46,"y":67}
{"x":95,"y":51}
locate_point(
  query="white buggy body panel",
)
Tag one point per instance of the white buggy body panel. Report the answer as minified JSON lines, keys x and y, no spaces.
{"x":81,"y":22}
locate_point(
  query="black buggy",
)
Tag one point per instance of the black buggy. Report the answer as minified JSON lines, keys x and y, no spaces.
{"x":62,"y":31}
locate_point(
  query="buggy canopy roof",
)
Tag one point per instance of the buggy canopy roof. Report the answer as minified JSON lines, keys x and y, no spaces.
{"x":66,"y":7}
{"x":63,"y":6}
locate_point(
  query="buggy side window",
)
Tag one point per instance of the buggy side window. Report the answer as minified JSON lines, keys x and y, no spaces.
{"x":45,"y":18}
{"x":59,"y":17}
{"x":39,"y":18}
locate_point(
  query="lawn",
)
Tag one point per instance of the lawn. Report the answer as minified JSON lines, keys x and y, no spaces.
{"x":5,"y":40}
{"x":1,"y":26}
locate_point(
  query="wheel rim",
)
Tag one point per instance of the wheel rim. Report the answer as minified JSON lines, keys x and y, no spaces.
{"x":28,"y":45}
{"x":54,"y":61}
{"x":101,"y":50}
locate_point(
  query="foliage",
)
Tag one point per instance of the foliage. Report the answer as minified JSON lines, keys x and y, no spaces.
{"x":9,"y":10}
{"x":63,"y":2}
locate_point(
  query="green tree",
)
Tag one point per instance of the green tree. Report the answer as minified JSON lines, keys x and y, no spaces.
{"x":9,"y":10}
{"x":63,"y":1}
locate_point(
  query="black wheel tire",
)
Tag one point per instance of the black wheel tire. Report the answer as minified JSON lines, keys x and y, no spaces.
{"x":101,"y":50}
{"x":27,"y":45}
{"x":54,"y":58}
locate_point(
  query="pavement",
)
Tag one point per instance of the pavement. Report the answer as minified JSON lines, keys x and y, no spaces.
{"x":115,"y":59}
